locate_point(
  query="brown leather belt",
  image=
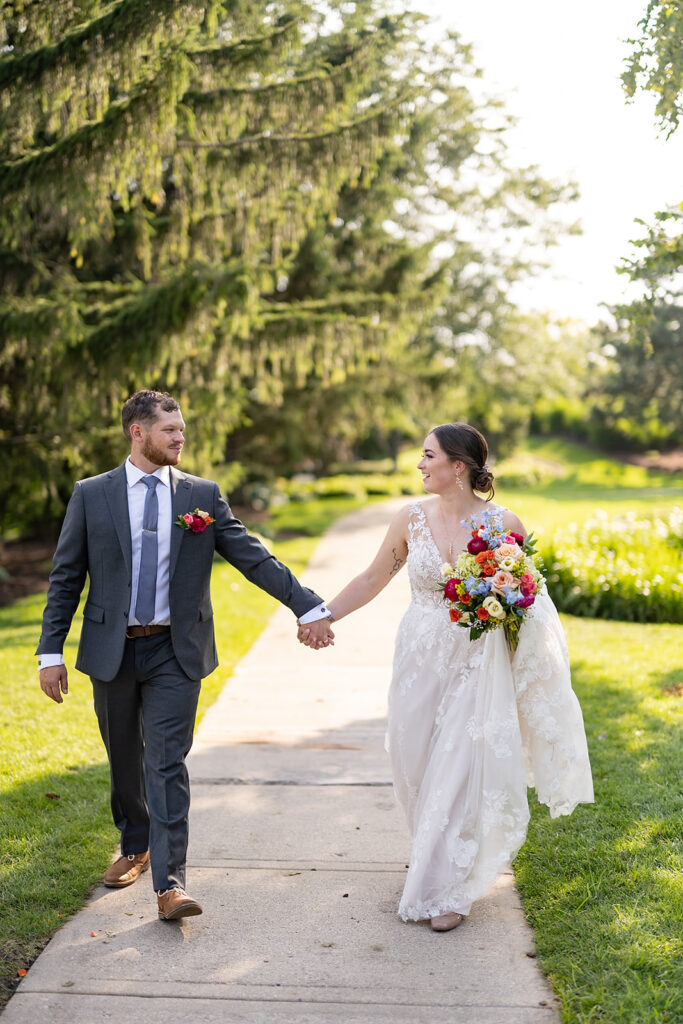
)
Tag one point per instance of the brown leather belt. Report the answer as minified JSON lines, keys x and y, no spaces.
{"x":133,"y":632}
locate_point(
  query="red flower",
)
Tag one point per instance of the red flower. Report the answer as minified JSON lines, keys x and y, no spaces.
{"x":489,"y":570}
{"x":526,"y":602}
{"x":515,"y":538}
{"x":482,"y":614}
{"x":196,"y":521}
{"x":450,"y":590}
{"x":455,"y":614}
{"x":476,"y":545}
{"x":527,"y":584}
{"x":466,"y":598}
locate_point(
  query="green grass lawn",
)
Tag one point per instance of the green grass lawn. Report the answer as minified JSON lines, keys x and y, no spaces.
{"x":603,"y":888}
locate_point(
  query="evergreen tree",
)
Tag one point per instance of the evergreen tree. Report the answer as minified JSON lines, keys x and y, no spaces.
{"x":159,"y":165}
{"x":260,"y":208}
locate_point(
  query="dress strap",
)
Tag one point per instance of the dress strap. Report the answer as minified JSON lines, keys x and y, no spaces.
{"x":417,"y":521}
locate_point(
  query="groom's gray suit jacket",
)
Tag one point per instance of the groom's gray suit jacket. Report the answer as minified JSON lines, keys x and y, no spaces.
{"x":95,"y":541}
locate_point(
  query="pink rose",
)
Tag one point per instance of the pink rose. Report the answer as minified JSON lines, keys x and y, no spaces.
{"x":476,"y":545}
{"x":450,"y":590}
{"x":503,"y":580}
{"x":188,"y":518}
{"x":515,"y":538}
{"x":527,"y":584}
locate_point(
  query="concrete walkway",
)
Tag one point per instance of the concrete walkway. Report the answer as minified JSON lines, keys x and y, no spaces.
{"x":298,"y":854}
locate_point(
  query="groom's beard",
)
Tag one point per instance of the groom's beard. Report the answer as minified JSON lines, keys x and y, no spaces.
{"x":161,"y":456}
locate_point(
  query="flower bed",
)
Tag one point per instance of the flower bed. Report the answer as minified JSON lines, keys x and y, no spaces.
{"x":620,"y":567}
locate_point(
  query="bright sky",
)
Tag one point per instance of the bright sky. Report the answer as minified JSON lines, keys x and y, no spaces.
{"x":557,"y":66}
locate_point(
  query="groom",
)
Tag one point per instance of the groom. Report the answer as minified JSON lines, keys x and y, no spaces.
{"x":145,"y":534}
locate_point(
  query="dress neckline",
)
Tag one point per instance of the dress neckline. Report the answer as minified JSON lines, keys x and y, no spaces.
{"x":420,"y":505}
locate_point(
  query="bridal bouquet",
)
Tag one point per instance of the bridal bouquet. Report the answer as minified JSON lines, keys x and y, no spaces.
{"x":494,"y":581}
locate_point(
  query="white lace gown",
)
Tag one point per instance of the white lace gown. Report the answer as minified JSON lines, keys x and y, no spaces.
{"x":469,"y":728}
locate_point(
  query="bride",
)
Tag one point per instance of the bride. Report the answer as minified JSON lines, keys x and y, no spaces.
{"x":470,"y":724}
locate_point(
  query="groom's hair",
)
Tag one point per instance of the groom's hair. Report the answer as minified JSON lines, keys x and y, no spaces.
{"x":144,"y":407}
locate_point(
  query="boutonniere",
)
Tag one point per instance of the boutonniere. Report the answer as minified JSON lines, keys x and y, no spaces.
{"x":196,"y":521}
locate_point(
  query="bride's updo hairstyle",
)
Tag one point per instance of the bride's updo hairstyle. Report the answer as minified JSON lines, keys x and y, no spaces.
{"x":463,"y":443}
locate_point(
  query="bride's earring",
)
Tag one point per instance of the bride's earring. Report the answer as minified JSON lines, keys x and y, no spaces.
{"x":459,"y":482}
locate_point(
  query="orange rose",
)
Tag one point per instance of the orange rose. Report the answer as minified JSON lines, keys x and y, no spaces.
{"x":485,"y":556}
{"x":488,"y":570}
{"x":455,"y":614}
{"x":482,"y":614}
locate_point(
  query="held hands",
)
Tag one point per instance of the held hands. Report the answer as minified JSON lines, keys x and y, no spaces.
{"x":316,"y":634}
{"x":54,"y":682}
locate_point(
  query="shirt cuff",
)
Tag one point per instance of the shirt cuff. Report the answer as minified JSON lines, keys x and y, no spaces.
{"x":49,"y":660}
{"x":321,"y":611}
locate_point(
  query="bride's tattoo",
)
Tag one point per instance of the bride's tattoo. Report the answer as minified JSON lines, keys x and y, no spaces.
{"x":398,"y":562}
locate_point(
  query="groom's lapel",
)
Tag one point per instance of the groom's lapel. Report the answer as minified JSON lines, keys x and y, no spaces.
{"x":181,"y":502}
{"x":116,"y":492}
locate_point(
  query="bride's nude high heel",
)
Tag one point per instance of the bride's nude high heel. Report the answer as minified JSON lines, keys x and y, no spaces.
{"x":446,"y":922}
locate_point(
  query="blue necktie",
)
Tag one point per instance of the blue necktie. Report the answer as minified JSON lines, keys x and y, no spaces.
{"x":147,"y":580}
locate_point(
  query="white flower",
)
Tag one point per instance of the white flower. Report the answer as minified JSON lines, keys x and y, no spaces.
{"x":494,"y":608}
{"x":447,"y":570}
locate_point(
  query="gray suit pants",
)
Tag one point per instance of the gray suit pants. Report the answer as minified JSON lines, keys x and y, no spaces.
{"x":146,"y":716}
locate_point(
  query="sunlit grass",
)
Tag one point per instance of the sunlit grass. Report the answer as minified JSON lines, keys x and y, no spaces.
{"x":604,"y":887}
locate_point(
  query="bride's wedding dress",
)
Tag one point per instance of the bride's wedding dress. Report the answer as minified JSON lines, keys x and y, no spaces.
{"x":469,"y":728}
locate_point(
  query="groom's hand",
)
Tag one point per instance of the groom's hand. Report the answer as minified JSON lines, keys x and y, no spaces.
{"x":316,"y":634}
{"x":54,"y":682}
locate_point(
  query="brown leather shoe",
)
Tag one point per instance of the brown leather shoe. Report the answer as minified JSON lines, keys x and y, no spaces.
{"x":175,"y":903}
{"x":446,"y":922}
{"x":126,"y":870}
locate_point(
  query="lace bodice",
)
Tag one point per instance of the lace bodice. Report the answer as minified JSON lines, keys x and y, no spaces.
{"x":424,"y":560}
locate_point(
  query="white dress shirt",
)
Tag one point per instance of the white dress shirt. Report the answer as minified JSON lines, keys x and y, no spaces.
{"x":313,"y":614}
{"x":137,"y":493}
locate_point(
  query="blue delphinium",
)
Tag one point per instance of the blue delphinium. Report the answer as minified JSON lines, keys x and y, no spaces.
{"x":489,"y":525}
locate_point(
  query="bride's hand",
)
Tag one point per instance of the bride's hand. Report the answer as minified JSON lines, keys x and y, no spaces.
{"x":316,"y":634}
